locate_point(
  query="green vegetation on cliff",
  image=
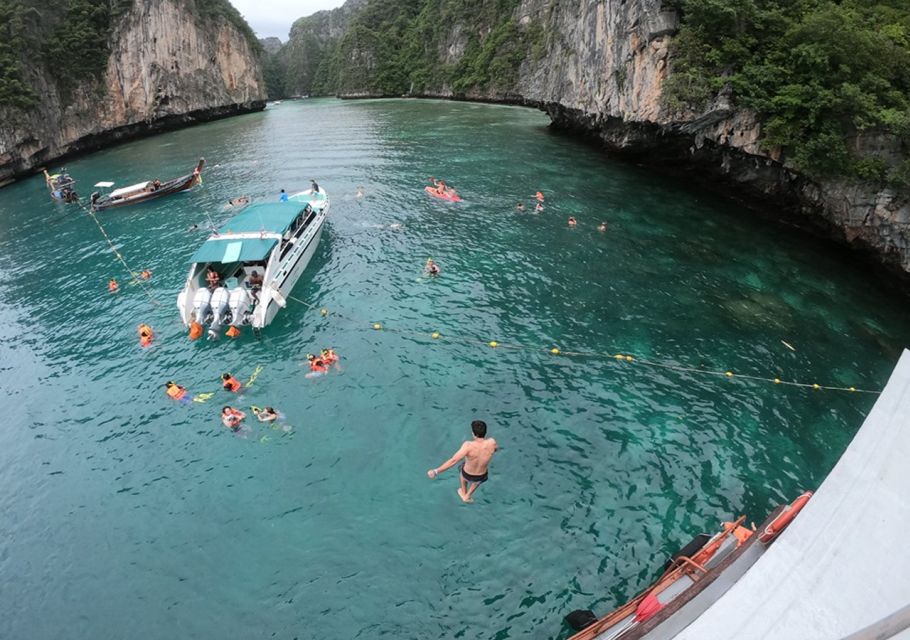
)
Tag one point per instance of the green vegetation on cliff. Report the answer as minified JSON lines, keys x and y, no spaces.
{"x":71,"y":39}
{"x":823,"y":74}
{"x":395,"y":47}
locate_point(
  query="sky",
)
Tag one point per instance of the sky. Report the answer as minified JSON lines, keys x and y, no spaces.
{"x":275,"y":17}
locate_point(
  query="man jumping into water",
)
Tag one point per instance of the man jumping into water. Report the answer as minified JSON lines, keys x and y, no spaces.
{"x":477,"y":454}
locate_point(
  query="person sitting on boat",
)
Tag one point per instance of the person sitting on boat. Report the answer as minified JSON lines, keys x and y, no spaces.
{"x":230,"y":383}
{"x":283,"y":197}
{"x":265,"y":415}
{"x":255,"y":284}
{"x":156,"y":184}
{"x":231,"y":417}
{"x":212,"y":279}
{"x":432,"y":269}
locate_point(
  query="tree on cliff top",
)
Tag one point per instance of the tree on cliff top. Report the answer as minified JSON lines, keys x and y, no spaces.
{"x":820,"y":73}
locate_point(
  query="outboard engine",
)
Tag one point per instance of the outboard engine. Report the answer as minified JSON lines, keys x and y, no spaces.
{"x":220,"y":311}
{"x":240,"y":302}
{"x":202,"y":306}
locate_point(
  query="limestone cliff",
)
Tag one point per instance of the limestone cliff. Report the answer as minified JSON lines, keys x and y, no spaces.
{"x":597,"y":67}
{"x":167,"y":66}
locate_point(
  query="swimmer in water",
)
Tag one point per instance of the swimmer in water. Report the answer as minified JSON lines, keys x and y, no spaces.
{"x":265,"y":415}
{"x":318,"y":366}
{"x":520,"y":206}
{"x":359,"y":193}
{"x":146,"y":274}
{"x":112,"y":285}
{"x":231,"y":418}
{"x":477,"y":454}
{"x":602,"y":227}
{"x":432,"y":269}
{"x":230,"y":383}
{"x":177,"y":392}
{"x":572,"y":221}
{"x":328,"y":356}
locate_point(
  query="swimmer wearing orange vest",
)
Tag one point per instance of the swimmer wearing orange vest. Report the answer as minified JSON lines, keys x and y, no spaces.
{"x":176,"y":392}
{"x":230,"y":383}
{"x":318,"y":366}
{"x":146,"y":335}
{"x":146,"y":274}
{"x":231,"y":418}
{"x":329,"y":357}
{"x":112,"y":286}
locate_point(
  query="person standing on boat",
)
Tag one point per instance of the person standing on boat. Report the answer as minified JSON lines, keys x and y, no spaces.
{"x":314,"y":185}
{"x":283,"y":197}
{"x":477,"y":454}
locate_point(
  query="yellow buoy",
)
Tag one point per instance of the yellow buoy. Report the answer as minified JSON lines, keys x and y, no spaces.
{"x":816,"y":387}
{"x":629,"y":358}
{"x":776,"y":380}
{"x":619,"y":356}
{"x":435,"y":335}
{"x":729,"y":374}
{"x":554,"y":351}
{"x":324,"y":311}
{"x":852,"y":388}
{"x":494,"y":344}
{"x":377,"y":326}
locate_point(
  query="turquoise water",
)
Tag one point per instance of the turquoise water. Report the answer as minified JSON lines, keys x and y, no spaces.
{"x":125,"y":514}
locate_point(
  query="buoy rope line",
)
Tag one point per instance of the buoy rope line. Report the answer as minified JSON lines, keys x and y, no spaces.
{"x":133,"y":274}
{"x":555,"y":351}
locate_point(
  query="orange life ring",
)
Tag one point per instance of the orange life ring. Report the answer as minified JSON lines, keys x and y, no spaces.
{"x":784,"y":518}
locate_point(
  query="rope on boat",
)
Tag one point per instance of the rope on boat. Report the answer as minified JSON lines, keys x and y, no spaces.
{"x":133,"y":274}
{"x":623,"y":358}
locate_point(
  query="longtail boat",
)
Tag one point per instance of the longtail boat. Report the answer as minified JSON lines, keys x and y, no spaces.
{"x":693,"y":579}
{"x":145,"y":191}
{"x":61,"y":186}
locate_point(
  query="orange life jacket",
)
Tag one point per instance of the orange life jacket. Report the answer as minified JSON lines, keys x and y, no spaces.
{"x":318,"y":365}
{"x":232,"y":384}
{"x":176,"y":392}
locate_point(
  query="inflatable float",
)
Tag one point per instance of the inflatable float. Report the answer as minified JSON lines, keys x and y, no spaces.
{"x":448,"y":197}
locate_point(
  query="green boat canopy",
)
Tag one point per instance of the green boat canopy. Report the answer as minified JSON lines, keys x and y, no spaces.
{"x":226,"y":250}
{"x":274,"y":218}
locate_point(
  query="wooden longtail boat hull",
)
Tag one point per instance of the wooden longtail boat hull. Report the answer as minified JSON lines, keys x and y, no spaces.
{"x":684,"y":607}
{"x":167,"y":188}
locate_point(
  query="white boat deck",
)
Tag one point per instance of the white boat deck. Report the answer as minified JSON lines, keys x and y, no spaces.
{"x":844,"y":562}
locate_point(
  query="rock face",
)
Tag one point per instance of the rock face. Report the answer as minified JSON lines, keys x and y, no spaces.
{"x":166,"y":68}
{"x":598,"y":68}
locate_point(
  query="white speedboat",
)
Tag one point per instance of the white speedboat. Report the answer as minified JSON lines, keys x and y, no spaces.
{"x":244,"y":271}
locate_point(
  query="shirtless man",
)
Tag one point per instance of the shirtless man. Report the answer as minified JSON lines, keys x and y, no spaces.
{"x":477,"y":454}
